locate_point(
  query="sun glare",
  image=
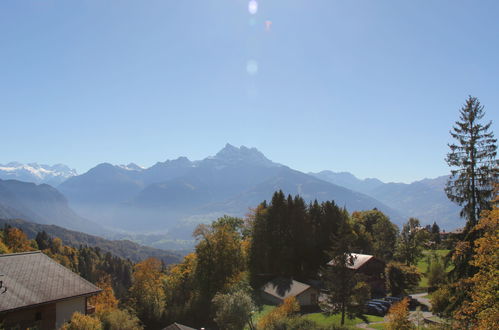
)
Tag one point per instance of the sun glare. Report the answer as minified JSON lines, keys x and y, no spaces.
{"x":253,"y":7}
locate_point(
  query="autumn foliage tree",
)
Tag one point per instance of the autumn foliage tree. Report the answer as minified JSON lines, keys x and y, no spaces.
{"x":481,"y":310}
{"x":82,"y":322}
{"x":17,"y":241}
{"x":398,"y":316}
{"x":289,"y":307}
{"x":147,"y":291}
{"x":105,"y":301}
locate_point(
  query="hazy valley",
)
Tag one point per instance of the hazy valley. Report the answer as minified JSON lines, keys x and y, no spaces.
{"x":161,"y":205}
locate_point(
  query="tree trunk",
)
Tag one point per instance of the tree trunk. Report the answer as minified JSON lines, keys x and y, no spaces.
{"x":342,"y":313}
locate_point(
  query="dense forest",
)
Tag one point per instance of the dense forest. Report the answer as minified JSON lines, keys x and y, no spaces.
{"x":121,"y":248}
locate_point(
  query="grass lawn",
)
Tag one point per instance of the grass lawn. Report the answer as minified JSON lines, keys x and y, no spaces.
{"x":318,"y":318}
{"x":380,"y":326}
{"x":324,"y":320}
{"x":423,"y":264}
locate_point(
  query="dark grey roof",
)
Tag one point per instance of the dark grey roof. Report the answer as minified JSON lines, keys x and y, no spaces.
{"x":283,"y":288}
{"x":358,"y":260}
{"x":32,"y":278}
{"x":176,"y":326}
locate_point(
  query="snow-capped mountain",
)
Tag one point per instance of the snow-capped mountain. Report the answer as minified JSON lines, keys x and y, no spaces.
{"x":33,"y":172}
{"x":132,"y":167}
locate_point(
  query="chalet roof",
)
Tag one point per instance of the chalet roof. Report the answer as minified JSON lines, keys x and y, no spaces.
{"x":283,"y":288}
{"x":32,"y":278}
{"x":358,"y":260}
{"x":456,"y":231}
{"x":176,"y":326}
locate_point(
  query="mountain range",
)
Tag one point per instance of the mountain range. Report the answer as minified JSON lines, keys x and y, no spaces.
{"x":163,"y":203}
{"x":33,"y":172}
{"x":424,"y":199}
{"x":173,"y":196}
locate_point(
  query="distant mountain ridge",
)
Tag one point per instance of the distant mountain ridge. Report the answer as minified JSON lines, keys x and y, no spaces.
{"x":173,"y":196}
{"x":33,"y":172}
{"x":424,"y":199}
{"x":41,"y":204}
{"x":162,"y":204}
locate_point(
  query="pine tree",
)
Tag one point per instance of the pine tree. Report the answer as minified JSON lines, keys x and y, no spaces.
{"x":347,"y":290}
{"x":473,"y":161}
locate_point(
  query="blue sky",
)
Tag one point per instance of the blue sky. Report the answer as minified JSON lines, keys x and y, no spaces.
{"x":370,"y":87}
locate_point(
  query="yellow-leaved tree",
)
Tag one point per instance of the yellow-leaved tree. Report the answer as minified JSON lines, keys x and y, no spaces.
{"x":481,"y":311}
{"x":147,"y":291}
{"x":82,"y":322}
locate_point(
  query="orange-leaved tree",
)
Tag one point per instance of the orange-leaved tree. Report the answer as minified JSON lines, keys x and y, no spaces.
{"x":289,"y":307}
{"x":17,"y":241}
{"x":398,"y":316}
{"x":105,"y":301}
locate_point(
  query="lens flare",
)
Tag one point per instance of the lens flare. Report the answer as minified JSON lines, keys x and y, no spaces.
{"x":252,"y":67}
{"x":253,"y":7}
{"x":268,"y":25}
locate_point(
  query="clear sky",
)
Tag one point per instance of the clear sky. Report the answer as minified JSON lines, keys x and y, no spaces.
{"x":371,"y":87}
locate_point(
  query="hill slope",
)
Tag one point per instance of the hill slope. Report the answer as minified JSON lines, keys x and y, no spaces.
{"x":41,"y":204}
{"x":122,"y":248}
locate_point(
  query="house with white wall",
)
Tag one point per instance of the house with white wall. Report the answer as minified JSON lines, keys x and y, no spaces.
{"x":40,"y":293}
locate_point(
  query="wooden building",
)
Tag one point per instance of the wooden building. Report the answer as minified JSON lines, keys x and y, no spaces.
{"x":374,"y":270}
{"x":39,"y":292}
{"x":276,"y":291}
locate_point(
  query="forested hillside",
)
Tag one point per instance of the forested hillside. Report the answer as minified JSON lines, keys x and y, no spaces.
{"x":122,"y":248}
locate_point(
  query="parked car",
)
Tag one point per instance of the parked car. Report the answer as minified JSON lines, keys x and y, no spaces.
{"x":373,"y":310}
{"x":385,"y":303}
{"x":383,"y":307}
{"x":393,"y":299}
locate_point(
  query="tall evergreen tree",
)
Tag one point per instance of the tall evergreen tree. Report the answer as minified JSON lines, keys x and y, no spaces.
{"x":347,"y":292}
{"x":435,"y":233}
{"x":473,"y":162}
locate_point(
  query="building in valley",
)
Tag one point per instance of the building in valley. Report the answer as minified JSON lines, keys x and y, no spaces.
{"x":373,"y":269}
{"x":276,"y":291}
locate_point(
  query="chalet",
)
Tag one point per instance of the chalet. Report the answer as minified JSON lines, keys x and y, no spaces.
{"x":276,"y":291}
{"x":454,"y":233}
{"x":40,"y":293}
{"x":372,"y":267}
